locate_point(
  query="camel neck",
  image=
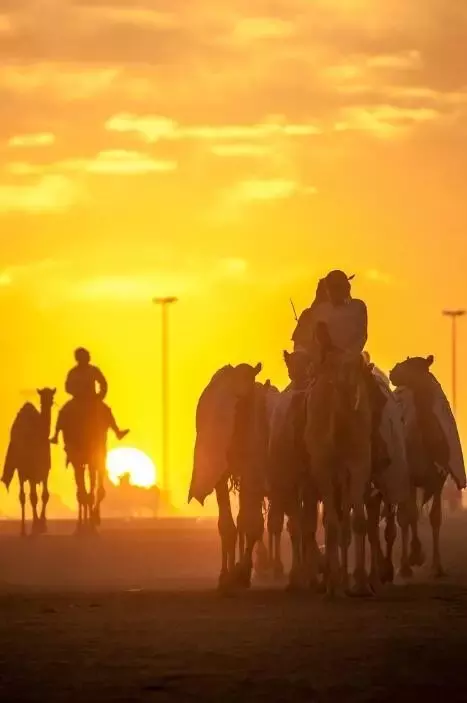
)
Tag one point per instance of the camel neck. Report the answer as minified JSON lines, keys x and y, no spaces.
{"x":46,"y":416}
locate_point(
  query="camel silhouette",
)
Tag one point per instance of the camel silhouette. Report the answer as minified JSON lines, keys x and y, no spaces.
{"x":85,"y":441}
{"x":29,"y":455}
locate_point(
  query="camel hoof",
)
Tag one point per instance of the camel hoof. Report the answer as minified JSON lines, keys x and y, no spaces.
{"x":439,"y":573}
{"x":321,"y":588}
{"x":387,"y":572}
{"x":333,"y":593}
{"x":375,"y":584}
{"x":360,"y":590}
{"x":345,"y":579}
{"x":417,"y":557}
{"x":224,"y":584}
{"x":241,"y":576}
{"x":406,"y":571}
{"x":278,"y":572}
{"x":296,"y":581}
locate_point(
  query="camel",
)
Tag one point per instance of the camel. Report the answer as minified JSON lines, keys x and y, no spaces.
{"x":29,"y":454}
{"x":389,"y":491}
{"x":433,"y":452}
{"x":338,"y":441}
{"x":292,"y":490}
{"x":230,"y":451}
{"x":85,"y":442}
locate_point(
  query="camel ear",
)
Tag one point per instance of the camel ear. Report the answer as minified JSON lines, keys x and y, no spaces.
{"x":430,"y":359}
{"x":54,"y":390}
{"x":39,"y":390}
{"x":258,"y":368}
{"x":286,"y":355}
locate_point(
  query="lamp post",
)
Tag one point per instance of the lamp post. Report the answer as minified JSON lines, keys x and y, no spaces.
{"x":454,"y":496}
{"x":165,"y":303}
{"x":454,"y":315}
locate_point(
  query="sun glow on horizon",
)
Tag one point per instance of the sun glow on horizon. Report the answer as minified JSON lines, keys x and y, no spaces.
{"x":139,"y":466}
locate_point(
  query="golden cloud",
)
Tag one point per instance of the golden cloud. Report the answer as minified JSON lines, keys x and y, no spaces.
{"x":152,"y":128}
{"x":70,"y":82}
{"x":52,"y":193}
{"x":384,"y":121}
{"x":109,"y":162}
{"x":31,"y":140}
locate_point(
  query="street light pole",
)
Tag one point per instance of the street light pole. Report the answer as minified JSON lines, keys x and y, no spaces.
{"x":454,"y":496}
{"x":165,"y":304}
{"x":454,"y":315}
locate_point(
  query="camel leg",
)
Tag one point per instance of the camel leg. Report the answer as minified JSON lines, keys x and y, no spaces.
{"x":227,"y":532}
{"x":390,"y":534}
{"x":311,"y":554}
{"x":252,"y":522}
{"x":80,"y":497}
{"x":345,"y":540}
{"x":435,"y":520}
{"x":45,"y":501}
{"x":271,"y":543}
{"x":275,"y":528}
{"x":359,"y":529}
{"x":331,"y":529}
{"x":404,"y":518}
{"x":22,"y":500}
{"x":377,"y":559}
{"x":294,"y":530}
{"x":100,"y":493}
{"x":34,"y":500}
{"x":261,"y":560}
{"x":332,"y":533}
{"x":241,"y":540}
{"x":417,"y":555}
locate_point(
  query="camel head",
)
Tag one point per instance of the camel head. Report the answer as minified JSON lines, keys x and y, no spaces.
{"x":298,"y":366}
{"x":412,"y":370}
{"x":245,"y":378}
{"x":46,"y":396}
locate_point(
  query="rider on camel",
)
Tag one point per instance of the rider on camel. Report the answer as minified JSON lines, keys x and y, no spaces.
{"x":336,"y":325}
{"x":81,"y":383}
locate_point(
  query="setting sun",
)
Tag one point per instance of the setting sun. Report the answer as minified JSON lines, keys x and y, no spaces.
{"x":134,"y":462}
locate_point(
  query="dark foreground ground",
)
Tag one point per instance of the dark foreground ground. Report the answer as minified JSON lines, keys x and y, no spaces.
{"x":133,"y":616}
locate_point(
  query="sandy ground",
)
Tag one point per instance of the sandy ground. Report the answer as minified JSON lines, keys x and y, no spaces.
{"x":133,"y":616}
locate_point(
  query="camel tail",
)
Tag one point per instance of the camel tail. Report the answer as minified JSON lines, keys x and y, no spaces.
{"x":9,"y":466}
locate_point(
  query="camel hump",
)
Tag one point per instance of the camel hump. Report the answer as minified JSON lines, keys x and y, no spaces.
{"x":25,"y":422}
{"x":22,"y":434}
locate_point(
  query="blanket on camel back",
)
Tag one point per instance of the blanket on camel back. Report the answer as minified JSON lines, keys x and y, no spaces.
{"x":430,"y":419}
{"x":393,"y":480}
{"x":231,"y":435}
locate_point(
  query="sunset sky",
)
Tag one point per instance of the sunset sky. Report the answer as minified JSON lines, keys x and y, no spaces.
{"x":228,"y":153}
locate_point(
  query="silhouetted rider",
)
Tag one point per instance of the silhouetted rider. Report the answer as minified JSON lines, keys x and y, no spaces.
{"x":87,"y":385}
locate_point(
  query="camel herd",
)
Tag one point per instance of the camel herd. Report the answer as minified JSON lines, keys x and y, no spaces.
{"x":308,"y":453}
{"x":361,"y":459}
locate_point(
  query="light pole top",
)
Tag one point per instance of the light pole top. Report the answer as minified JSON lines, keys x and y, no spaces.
{"x":454,"y":313}
{"x":165,"y":300}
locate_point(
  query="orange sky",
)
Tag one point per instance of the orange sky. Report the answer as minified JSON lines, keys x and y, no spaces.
{"x":229,"y":153}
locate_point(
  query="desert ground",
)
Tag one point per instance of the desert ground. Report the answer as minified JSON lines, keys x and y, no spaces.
{"x":133,"y":615}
